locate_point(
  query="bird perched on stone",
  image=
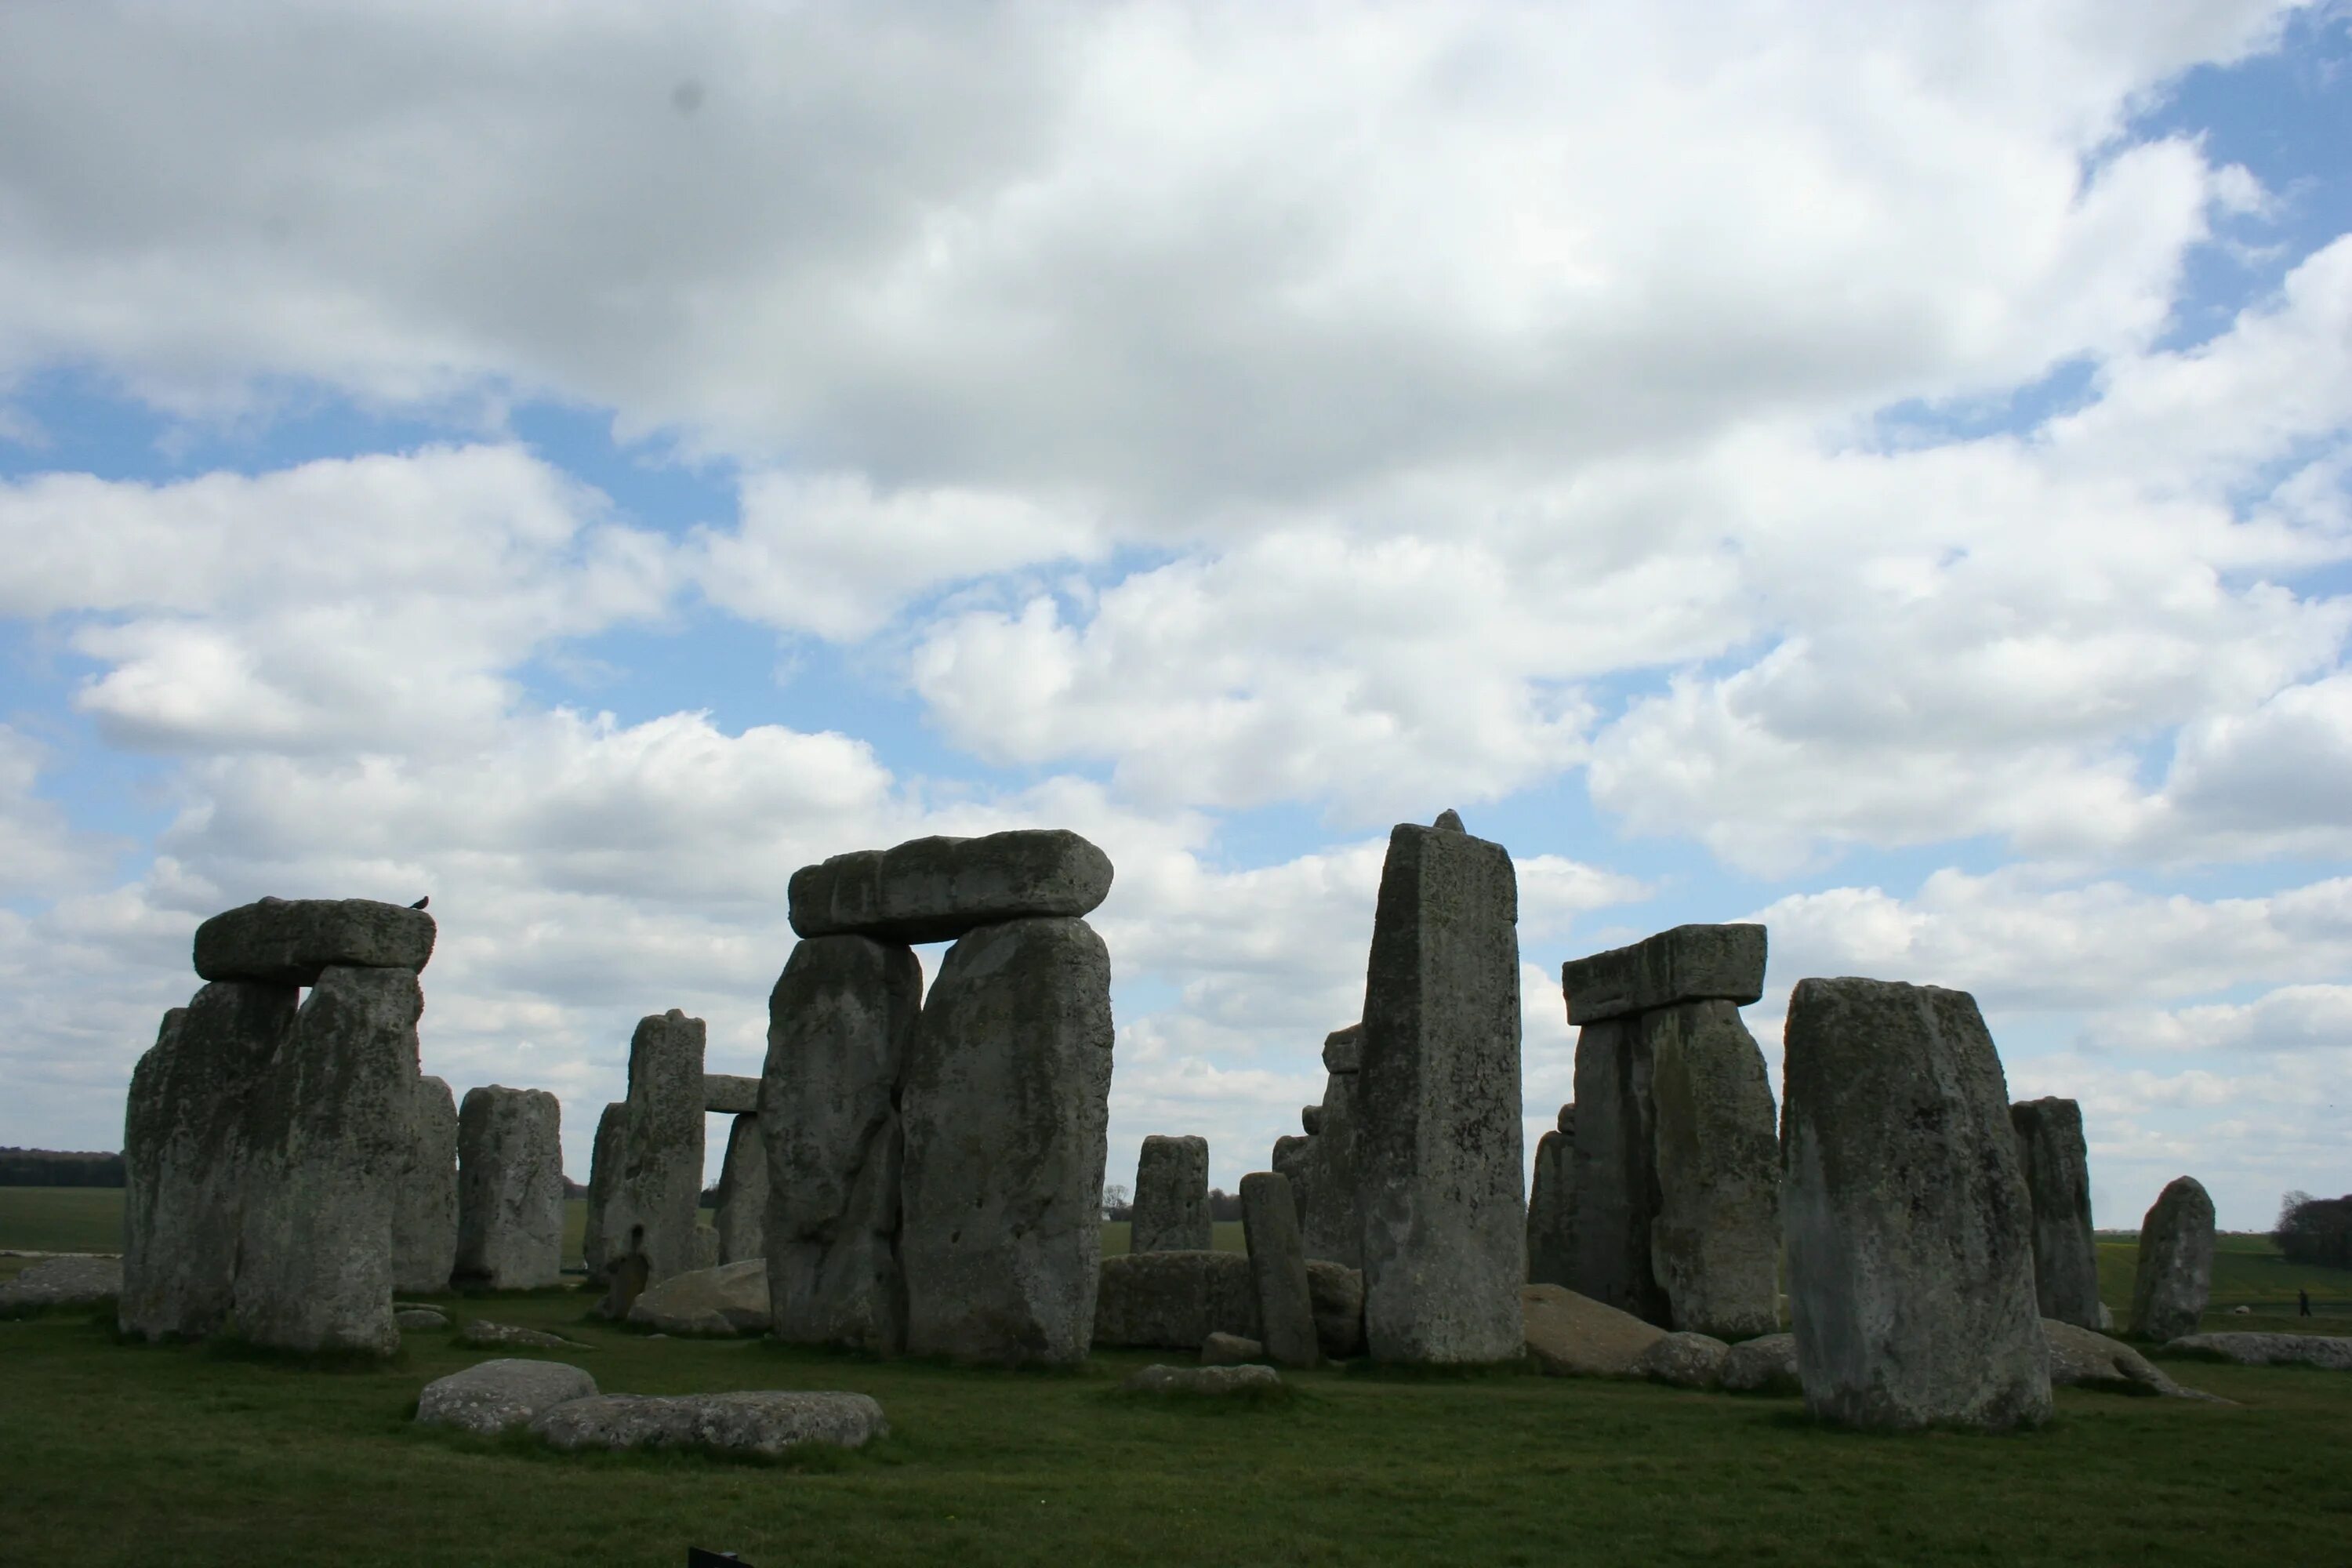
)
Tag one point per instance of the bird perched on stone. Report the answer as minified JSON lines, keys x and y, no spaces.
{"x":422,"y":903}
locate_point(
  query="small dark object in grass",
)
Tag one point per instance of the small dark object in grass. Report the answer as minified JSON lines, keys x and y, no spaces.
{"x":697,"y":1557}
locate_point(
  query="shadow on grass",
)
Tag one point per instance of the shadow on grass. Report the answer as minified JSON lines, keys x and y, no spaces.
{"x":233,"y":1347}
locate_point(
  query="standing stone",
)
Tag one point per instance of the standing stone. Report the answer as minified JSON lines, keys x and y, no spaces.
{"x":1171,"y":1197}
{"x":660,"y":1183}
{"x":842,"y":1021}
{"x":606,"y":1156}
{"x":1438,"y":1143}
{"x":1294,"y":1159}
{"x":1908,"y":1228}
{"x":184,"y":1154}
{"x":2057,"y":1168}
{"x":1332,"y":1213}
{"x":1551,"y":1205}
{"x":2174,"y":1278}
{"x":424,"y":1206}
{"x":325,"y":1131}
{"x":1616,"y":1171}
{"x":1006,"y":1110}
{"x":1278,"y":1270}
{"x":1715,"y":1246}
{"x":510,"y":1188}
{"x":742,"y":1217}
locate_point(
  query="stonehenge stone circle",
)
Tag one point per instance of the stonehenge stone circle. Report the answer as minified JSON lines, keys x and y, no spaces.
{"x":2174,"y":1278}
{"x":742,"y":1218}
{"x":2057,"y":1167}
{"x":842,"y":1023}
{"x":1324,"y":1180}
{"x":184,"y":1152}
{"x":1278,"y":1270}
{"x":606,"y":1156}
{"x":325,"y":1142}
{"x":1715,"y":1244}
{"x":728,"y":1094}
{"x":1438,"y":1140}
{"x":1551,"y":1205}
{"x":1688,"y":964}
{"x":1171,"y":1197}
{"x":510,"y":1188}
{"x":1909,"y":1231}
{"x":425,"y":1204}
{"x":938,"y":890}
{"x":290,"y":941}
{"x":1006,"y":1109}
{"x":658,"y":1183}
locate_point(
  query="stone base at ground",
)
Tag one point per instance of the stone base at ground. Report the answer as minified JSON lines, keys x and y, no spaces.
{"x":1211,"y":1380}
{"x":767,"y":1422}
{"x":1685,"y":1359}
{"x":1173,"y":1301}
{"x":729,"y":1300}
{"x":1766,"y":1364}
{"x":71,"y":1281}
{"x":1574,"y":1336}
{"x":2330,"y":1351}
{"x":497,"y":1395}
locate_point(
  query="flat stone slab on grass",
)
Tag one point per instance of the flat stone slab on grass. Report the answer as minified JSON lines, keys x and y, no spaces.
{"x":412,"y":1318}
{"x":767,"y":1422}
{"x":494,"y":1396}
{"x":2331,"y":1352}
{"x":64,"y":1281}
{"x":288,"y":941}
{"x":729,"y":1300}
{"x":938,"y":890}
{"x":1209,"y":1379}
{"x":494,"y":1336}
{"x":1575,"y":1336}
{"x":2081,"y":1358}
{"x":1688,"y":964}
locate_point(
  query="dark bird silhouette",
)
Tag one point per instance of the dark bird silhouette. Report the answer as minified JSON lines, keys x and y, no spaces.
{"x":422,"y":903}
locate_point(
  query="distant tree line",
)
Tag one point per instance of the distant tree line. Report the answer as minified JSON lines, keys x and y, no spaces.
{"x":1222,"y":1205}
{"x":56,"y":1168}
{"x":2315,"y":1230}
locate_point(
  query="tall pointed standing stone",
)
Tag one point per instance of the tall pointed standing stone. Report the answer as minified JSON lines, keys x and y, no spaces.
{"x":1278,"y":1270}
{"x":606,"y":1156}
{"x":841,"y":1025}
{"x":1551,"y":1205}
{"x":1715,"y":1246}
{"x":1171,"y":1197}
{"x":1439,"y":1141}
{"x":1909,"y":1231}
{"x":742,"y":1217}
{"x":1006,"y":1113}
{"x":1331,"y":1222}
{"x":2174,"y":1277}
{"x":510,"y":1188}
{"x":2057,"y":1165}
{"x":425,"y":1205}
{"x":184,"y":1154}
{"x":660,"y":1178}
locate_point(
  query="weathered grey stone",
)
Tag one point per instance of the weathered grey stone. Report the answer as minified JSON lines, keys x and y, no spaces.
{"x":939,"y":889}
{"x":1616,"y":1171}
{"x":1438,"y":1144}
{"x":1449,"y":821}
{"x":1685,"y":1359}
{"x":1343,"y":1050}
{"x":1574,"y":1336}
{"x":2174,"y":1277}
{"x":1278,"y":1270}
{"x":1715,"y":1246}
{"x":842,"y":1023}
{"x":1171,"y":1197}
{"x":63,"y":1281}
{"x":1210,"y":1380}
{"x":1310,"y":1119}
{"x":484,"y":1335}
{"x":767,"y":1422}
{"x":741,"y":1220}
{"x":326,"y":1134}
{"x":1338,"y":1293}
{"x":706,"y":1246}
{"x":1552,"y":1207}
{"x":2057,"y":1166}
{"x":2080,"y":1358}
{"x":1173,"y":1301}
{"x":1766,"y":1364}
{"x":184,"y":1155}
{"x":1230,"y":1350}
{"x":1688,"y":964}
{"x":1324,"y":1181}
{"x":731,"y":1299}
{"x":510,"y":1188}
{"x":415,"y":1320}
{"x":606,"y":1157}
{"x":659,"y":1185}
{"x":2331,"y":1352}
{"x":1006,"y":1109}
{"x":729,"y":1094}
{"x":1293,"y":1159}
{"x":1909,"y":1231}
{"x":495,"y":1397}
{"x":425,"y":1205}
{"x":289,"y":941}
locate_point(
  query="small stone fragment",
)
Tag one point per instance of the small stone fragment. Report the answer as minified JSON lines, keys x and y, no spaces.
{"x":494,"y":1396}
{"x":1171,"y":1197}
{"x":1230,"y":1350}
{"x":2331,"y":1352}
{"x":1278,"y":1270}
{"x":942,"y":890}
{"x":1173,"y":1301}
{"x":768,"y":1422}
{"x":290,"y":941}
{"x":1343,"y":1050}
{"x":2174,"y":1277}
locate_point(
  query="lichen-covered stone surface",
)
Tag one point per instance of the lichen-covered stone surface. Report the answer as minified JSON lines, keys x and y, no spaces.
{"x":1286,"y":1307}
{"x":1006,"y":1110}
{"x":607,"y":1155}
{"x":741,"y":1218}
{"x":2079,"y":1357}
{"x":290,"y":941}
{"x":2057,"y":1166}
{"x":1574,"y":1336}
{"x":1205,"y":1380}
{"x":1765,"y":1364}
{"x":425,"y":1205}
{"x":1616,"y":1171}
{"x":485,"y":1334}
{"x":1908,"y":1227}
{"x":1325,"y":1182}
{"x":1173,"y":1301}
{"x":1688,"y":964}
{"x":1551,"y":1205}
{"x":938,"y":890}
{"x":1171,"y":1196}
{"x":326,"y":1135}
{"x":495,"y":1397}
{"x":1230,"y":1350}
{"x":842,"y":1023}
{"x":767,"y":1422}
{"x":1715,"y":1244}
{"x":659,"y":1185}
{"x":2174,"y":1276}
{"x":1338,"y":1293}
{"x":1438,"y":1141}
{"x":730,"y":1094}
{"x":1685,"y":1360}
{"x":62,"y":1282}
{"x":510,"y":1188}
{"x":184,"y":1153}
{"x":731,"y":1299}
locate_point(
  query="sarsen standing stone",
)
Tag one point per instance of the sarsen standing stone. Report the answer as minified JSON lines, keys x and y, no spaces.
{"x":1715,"y":1246}
{"x":425,"y":1205}
{"x":2057,"y":1166}
{"x":510,"y":1188}
{"x":2174,"y":1277}
{"x":1551,"y":1205}
{"x":1171,"y":1197}
{"x":660,"y":1184}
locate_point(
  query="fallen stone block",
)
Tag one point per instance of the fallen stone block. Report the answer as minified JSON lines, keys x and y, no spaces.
{"x":2333,"y":1352}
{"x":1685,"y":1359}
{"x":495,"y":1397}
{"x":62,"y":1282}
{"x":1214,"y":1381}
{"x":1230,"y":1350}
{"x":290,"y":941}
{"x":1766,"y":1364}
{"x":497,"y":1336}
{"x":767,"y":1422}
{"x":1688,"y":964}
{"x":940,"y":890}
{"x":729,"y":1300}
{"x":1574,"y":1336}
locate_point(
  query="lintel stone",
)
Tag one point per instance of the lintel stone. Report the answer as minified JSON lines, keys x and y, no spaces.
{"x":1688,"y":964}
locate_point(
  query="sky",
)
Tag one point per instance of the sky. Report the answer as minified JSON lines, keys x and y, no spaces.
{"x":1880,"y":469}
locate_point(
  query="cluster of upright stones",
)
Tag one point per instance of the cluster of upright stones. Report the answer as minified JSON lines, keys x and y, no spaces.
{"x":2174,"y":1277}
{"x":646,"y":1184}
{"x":1322,"y":1169}
{"x":1438,"y":1140}
{"x":1551,"y":1205}
{"x":1675,"y":1159}
{"x":264,"y":1143}
{"x":1908,"y":1224}
{"x":935,"y":1163}
{"x":2057,"y":1167}
{"x":1171,"y":1197}
{"x":510,"y":1188}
